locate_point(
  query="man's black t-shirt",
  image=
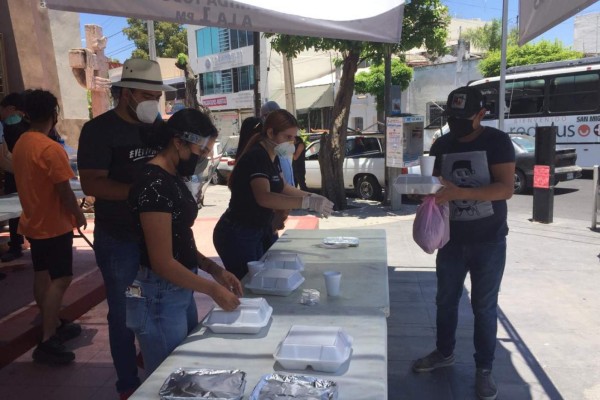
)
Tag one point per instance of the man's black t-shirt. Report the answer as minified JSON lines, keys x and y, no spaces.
{"x":467,"y":165}
{"x":158,"y":191}
{"x":243,"y":208}
{"x":107,"y":142}
{"x":299,"y":165}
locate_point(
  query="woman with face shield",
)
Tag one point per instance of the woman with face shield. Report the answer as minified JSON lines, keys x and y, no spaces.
{"x":160,"y":304}
{"x":258,"y":189}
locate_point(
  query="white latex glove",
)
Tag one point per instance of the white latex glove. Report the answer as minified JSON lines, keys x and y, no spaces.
{"x":318,"y":203}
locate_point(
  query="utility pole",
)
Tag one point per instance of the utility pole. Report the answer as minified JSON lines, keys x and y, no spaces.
{"x":256,"y":61}
{"x":151,"y":40}
{"x":290,"y":88}
{"x":502,"y":83}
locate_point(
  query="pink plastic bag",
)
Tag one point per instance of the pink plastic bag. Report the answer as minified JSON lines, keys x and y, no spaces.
{"x":431,"y":228}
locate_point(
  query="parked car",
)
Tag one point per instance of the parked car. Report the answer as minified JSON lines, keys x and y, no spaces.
{"x":565,"y":163}
{"x":364,"y":166}
{"x":227,"y":160}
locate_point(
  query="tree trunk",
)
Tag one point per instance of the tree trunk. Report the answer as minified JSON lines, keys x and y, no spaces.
{"x":191,"y":88}
{"x":331,"y":155}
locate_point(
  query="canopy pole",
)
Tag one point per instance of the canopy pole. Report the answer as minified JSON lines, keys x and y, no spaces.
{"x":256,"y":62}
{"x":151,"y":40}
{"x":502,"y":85}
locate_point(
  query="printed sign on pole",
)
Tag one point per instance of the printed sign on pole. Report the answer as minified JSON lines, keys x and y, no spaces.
{"x":541,"y":176}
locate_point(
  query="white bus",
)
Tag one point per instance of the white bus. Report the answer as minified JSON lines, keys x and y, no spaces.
{"x":563,"y":93}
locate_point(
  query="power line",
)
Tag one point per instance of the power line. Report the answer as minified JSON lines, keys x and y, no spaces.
{"x":478,"y":5}
{"x":130,"y":46}
{"x":115,"y":34}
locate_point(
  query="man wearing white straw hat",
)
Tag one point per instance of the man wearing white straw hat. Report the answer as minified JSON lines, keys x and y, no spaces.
{"x":111,"y":151}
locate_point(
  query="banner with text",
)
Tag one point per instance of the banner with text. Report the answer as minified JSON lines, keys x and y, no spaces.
{"x":377,"y":21}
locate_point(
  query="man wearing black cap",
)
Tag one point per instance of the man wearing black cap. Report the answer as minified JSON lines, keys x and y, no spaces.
{"x":476,"y":165}
{"x":111,"y":151}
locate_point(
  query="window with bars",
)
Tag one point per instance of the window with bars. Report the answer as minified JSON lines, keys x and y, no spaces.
{"x":435,"y":118}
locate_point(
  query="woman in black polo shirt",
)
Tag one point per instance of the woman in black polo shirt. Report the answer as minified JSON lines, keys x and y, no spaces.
{"x":257,"y":189}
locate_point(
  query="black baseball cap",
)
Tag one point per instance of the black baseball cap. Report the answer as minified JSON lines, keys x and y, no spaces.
{"x":464,"y":102}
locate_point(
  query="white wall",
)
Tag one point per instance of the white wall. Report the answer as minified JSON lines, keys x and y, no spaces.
{"x":435,"y":82}
{"x":586,"y":33}
{"x":66,"y":36}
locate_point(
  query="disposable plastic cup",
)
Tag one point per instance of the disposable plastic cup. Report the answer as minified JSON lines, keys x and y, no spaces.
{"x":254,"y":267}
{"x":332,"y":282}
{"x":427,"y":165}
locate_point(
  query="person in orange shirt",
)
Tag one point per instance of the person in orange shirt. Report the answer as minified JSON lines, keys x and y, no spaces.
{"x":50,"y":212}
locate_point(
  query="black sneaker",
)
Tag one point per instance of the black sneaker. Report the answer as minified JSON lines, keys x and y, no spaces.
{"x":52,"y":352}
{"x":2,"y":275}
{"x":67,"y":330}
{"x":11,"y":256}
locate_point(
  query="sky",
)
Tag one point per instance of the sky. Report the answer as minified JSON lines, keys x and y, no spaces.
{"x":120,"y":47}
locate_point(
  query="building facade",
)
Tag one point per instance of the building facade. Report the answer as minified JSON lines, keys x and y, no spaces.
{"x":34,"y":54}
{"x":223,"y":59}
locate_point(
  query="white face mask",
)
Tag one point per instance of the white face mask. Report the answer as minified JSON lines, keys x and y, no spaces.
{"x":147,"y":111}
{"x":285,"y":149}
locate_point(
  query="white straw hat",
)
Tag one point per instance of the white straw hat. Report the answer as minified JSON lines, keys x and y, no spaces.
{"x":142,"y":74}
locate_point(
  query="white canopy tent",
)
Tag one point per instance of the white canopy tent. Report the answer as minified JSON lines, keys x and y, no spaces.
{"x":538,"y":16}
{"x":380,"y":21}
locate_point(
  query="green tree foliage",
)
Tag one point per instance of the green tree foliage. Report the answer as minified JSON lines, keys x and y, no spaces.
{"x":170,"y":38}
{"x":425,"y":24}
{"x":373,"y":81}
{"x":489,"y":37}
{"x":540,"y":52}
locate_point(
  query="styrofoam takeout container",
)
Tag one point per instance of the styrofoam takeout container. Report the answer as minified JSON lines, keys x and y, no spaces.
{"x":417,"y":184}
{"x":275,"y":281}
{"x":284,"y":261}
{"x":250,"y":317}
{"x":324,"y":348}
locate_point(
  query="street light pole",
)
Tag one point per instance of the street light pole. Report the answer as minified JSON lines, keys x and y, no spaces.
{"x":502,"y":85}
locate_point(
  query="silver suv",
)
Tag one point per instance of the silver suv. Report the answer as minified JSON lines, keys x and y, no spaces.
{"x":364,"y":166}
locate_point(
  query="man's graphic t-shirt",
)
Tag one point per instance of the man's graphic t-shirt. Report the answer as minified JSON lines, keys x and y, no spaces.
{"x":468,"y":165}
{"x":107,"y":142}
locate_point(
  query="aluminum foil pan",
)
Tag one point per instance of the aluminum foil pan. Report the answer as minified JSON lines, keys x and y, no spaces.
{"x":294,"y":387}
{"x":204,"y":384}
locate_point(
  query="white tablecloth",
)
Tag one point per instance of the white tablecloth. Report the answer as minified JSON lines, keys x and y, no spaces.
{"x":360,"y":311}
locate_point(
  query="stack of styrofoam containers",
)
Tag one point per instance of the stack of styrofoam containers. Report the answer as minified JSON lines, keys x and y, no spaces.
{"x":284,"y":261}
{"x":275,"y":281}
{"x":324,"y":348}
{"x":250,"y":317}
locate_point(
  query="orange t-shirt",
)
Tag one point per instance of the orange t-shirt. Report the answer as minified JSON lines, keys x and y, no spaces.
{"x":39,"y":163}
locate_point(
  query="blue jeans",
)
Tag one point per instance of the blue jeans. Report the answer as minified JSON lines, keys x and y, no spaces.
{"x":237,"y":244}
{"x":485,"y":262}
{"x":161,"y":316}
{"x":119,"y":262}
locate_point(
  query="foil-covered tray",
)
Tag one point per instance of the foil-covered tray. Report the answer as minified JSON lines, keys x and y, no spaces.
{"x":347,"y":241}
{"x":188,"y":383}
{"x":294,"y":387}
